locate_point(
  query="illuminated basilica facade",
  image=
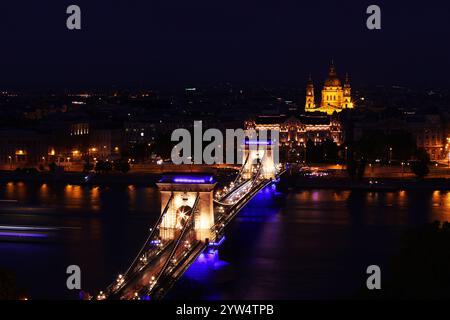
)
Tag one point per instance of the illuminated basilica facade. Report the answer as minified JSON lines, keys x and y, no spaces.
{"x":335,"y":97}
{"x":317,"y":124}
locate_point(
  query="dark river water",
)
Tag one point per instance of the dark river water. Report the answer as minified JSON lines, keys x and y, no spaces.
{"x":306,"y":244}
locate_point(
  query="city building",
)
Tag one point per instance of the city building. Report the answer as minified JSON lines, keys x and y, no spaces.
{"x":296,"y":131}
{"x":427,"y":129}
{"x":141,"y":131}
{"x":105,"y":144}
{"x":21,"y":148}
{"x":335,"y":96}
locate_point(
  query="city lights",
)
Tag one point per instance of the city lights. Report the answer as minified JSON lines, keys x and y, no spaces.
{"x":200,"y":152}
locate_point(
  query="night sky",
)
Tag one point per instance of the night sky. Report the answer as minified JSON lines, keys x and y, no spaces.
{"x":150,"y":43}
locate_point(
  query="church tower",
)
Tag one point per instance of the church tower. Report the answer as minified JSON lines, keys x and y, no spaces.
{"x":347,"y":103}
{"x":310,"y":104}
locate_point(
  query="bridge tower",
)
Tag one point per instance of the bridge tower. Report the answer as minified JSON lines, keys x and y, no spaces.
{"x":182,"y":191}
{"x":258,"y":152}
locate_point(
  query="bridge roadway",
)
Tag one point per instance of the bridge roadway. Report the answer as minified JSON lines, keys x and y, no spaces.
{"x":162,"y":262}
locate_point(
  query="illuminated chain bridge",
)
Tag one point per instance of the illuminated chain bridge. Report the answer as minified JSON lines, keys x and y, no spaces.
{"x":193,"y":217}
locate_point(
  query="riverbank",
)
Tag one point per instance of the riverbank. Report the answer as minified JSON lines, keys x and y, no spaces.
{"x":77,"y":178}
{"x":295,"y":182}
{"x":370,"y":184}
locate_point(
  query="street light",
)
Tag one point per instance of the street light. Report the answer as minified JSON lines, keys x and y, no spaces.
{"x":390,"y":155}
{"x":448,"y":160}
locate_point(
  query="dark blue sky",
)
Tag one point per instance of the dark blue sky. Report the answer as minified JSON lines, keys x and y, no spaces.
{"x":136,"y":42}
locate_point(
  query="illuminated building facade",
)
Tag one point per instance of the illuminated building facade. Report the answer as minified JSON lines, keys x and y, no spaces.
{"x":296,"y":131}
{"x":447,"y":149}
{"x":335,"y":97}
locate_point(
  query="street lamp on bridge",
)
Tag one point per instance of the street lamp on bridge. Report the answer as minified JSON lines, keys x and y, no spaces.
{"x":390,"y":155}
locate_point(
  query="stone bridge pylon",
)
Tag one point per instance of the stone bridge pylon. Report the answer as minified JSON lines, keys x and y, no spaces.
{"x":188,"y":194}
{"x":256,"y":153}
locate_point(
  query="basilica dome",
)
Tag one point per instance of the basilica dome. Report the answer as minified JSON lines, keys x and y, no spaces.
{"x":332,"y":80}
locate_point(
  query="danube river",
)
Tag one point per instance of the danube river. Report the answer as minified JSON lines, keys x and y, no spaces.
{"x":306,"y":244}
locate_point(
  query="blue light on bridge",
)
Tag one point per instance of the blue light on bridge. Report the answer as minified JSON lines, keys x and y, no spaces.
{"x":192,"y":180}
{"x":202,"y":179}
{"x":258,"y":142}
{"x":218,"y":243}
{"x":262,"y":207}
{"x":208,"y":268}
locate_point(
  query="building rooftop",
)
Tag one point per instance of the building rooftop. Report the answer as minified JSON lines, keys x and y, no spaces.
{"x":305,"y":119}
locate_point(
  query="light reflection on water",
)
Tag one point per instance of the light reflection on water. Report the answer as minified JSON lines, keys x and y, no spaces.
{"x":307,"y":244}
